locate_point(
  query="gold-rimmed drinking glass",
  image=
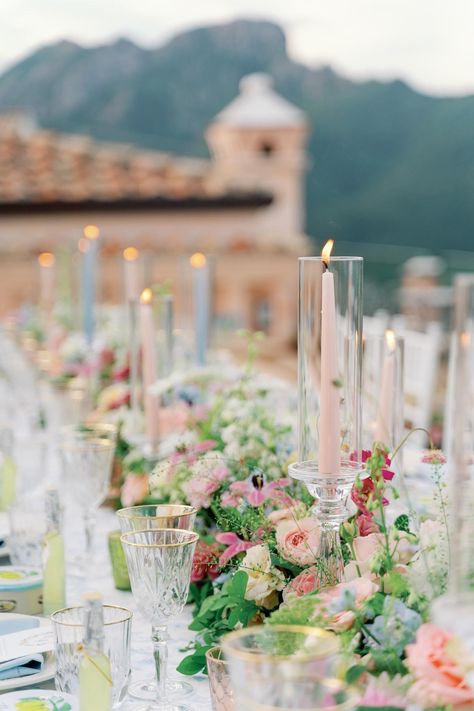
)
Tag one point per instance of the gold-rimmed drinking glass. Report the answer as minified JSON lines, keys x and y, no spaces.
{"x":220,"y":686}
{"x":159,"y":564}
{"x":87,"y":453}
{"x":68,"y":628}
{"x":139,"y":518}
{"x":286,"y":668}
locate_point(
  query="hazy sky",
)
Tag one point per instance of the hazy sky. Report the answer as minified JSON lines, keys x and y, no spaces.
{"x":427,"y":42}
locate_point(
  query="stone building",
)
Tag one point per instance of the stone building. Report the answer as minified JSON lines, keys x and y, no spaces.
{"x":244,"y":207}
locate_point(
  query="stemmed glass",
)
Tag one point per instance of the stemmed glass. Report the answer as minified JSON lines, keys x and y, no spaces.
{"x":139,"y":518}
{"x":87,"y":454}
{"x":159,"y":563}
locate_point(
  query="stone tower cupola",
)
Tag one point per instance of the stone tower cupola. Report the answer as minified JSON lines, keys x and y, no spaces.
{"x":258,"y":142}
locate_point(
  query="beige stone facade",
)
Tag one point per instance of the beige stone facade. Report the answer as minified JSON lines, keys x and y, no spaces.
{"x":244,"y":208}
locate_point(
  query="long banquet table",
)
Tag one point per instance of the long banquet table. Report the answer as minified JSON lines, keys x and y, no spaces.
{"x":22,"y":396}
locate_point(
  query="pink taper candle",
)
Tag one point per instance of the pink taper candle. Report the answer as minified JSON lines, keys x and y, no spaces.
{"x":151,"y":402}
{"x":384,"y":425}
{"x":131,"y":273}
{"x":329,"y":410}
{"x":46,"y":262}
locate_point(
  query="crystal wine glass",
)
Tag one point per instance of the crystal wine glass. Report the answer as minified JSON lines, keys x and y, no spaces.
{"x":159,"y":563}
{"x":87,"y":454}
{"x":139,"y":518}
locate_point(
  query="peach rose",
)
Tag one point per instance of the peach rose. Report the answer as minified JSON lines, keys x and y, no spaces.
{"x":438,"y":663}
{"x":298,"y":541}
{"x":332,"y":602}
{"x":306,"y":582}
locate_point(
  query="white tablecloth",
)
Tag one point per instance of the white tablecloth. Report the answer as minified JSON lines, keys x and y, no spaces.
{"x":101,"y":580}
{"x":22,"y":398}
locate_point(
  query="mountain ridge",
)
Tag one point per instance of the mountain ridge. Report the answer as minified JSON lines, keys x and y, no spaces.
{"x":386,"y":162}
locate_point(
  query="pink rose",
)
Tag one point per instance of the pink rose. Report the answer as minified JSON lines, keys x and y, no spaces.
{"x":341,"y":620}
{"x":306,"y":582}
{"x":205,"y":562}
{"x":298,"y":541}
{"x":435,"y":660}
{"x":134,"y":490}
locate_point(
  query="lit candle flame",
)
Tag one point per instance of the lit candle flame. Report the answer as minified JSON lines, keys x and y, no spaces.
{"x":91,"y":232}
{"x":46,"y":259}
{"x":198,"y":260}
{"x":146,"y":296}
{"x":326,"y":253}
{"x":390,"y":340}
{"x":130,"y":254}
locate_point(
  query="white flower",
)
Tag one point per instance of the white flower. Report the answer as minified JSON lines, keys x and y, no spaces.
{"x":160,"y":475}
{"x":263,"y":579}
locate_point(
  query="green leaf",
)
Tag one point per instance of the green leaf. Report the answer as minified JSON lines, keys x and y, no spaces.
{"x":379,"y":708}
{"x":238,"y":585}
{"x":194,"y":663}
{"x":354,"y":673}
{"x":402,"y":523}
{"x":397,"y":583}
{"x":233,"y":618}
{"x":285,"y":565}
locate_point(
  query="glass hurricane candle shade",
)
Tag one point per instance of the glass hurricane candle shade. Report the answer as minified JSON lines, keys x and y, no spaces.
{"x":329,"y":393}
{"x":455,"y":610}
{"x":285,"y":667}
{"x":382,"y":391}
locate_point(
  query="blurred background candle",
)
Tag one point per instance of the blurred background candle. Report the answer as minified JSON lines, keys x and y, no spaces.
{"x":132,"y":267}
{"x":89,"y":247}
{"x":329,"y":419}
{"x":149,"y":367}
{"x":47,"y":274}
{"x":201,"y":290}
{"x":384,"y":426}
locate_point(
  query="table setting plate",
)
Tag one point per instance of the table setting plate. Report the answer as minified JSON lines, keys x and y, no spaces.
{"x":51,"y":700}
{"x":47,"y":672}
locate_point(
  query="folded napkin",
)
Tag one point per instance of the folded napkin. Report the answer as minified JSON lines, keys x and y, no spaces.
{"x":22,"y":666}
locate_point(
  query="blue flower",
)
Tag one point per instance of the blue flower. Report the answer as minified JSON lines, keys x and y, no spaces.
{"x":395,"y":627}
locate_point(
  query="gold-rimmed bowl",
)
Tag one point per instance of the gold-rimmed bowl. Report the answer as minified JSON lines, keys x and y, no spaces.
{"x":285,"y":667}
{"x":220,"y":686}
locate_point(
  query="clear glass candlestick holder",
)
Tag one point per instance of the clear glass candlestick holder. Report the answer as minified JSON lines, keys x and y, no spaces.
{"x":382,"y":390}
{"x":455,"y":609}
{"x":329,"y":394}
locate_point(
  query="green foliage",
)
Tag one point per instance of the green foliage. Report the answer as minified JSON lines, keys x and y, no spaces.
{"x":402,"y":523}
{"x":354,"y":673}
{"x":218,"y":614}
